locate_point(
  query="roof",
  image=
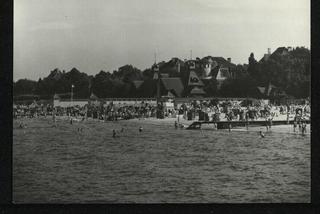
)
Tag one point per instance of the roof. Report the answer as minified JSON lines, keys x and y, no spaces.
{"x":194,"y":80}
{"x":155,"y":76}
{"x":56,"y":97}
{"x":196,"y":91}
{"x":268,"y":89}
{"x":280,"y":51}
{"x":219,"y":60}
{"x":93,"y":97}
{"x":173,"y":84}
{"x":223,"y":73}
{"x":261,"y":89}
{"x":164,"y":75}
{"x":170,"y":94}
{"x":137,"y":83}
{"x":191,"y":64}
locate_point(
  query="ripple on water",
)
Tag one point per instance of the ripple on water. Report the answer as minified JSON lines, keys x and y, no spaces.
{"x":160,"y":164}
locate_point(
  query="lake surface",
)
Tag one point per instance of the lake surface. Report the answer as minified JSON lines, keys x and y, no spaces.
{"x":160,"y":164}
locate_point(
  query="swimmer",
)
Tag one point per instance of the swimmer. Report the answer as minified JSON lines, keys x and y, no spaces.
{"x":299,"y":123}
{"x":247,"y":125}
{"x":21,"y":126}
{"x":294,"y":126}
{"x":303,"y":127}
{"x":261,"y":134}
{"x":270,"y":123}
{"x":140,"y":129}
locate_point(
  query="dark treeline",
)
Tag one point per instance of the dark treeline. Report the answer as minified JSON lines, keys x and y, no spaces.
{"x":288,"y":70}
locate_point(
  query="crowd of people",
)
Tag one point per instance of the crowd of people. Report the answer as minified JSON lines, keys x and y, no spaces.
{"x":101,"y":112}
{"x":238,"y":111}
{"x":195,"y":110}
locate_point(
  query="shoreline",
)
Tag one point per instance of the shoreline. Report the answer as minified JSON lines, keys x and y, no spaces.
{"x":287,"y":128}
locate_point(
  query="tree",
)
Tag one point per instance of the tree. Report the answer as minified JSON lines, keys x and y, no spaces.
{"x":210,"y":87}
{"x":241,"y":87}
{"x":252,"y":68}
{"x":290,"y":72}
{"x":102,"y":84}
{"x":24,"y":86}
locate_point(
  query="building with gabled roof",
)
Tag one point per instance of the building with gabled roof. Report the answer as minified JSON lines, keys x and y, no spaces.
{"x":93,"y":97}
{"x":195,"y":85}
{"x":216,"y":67}
{"x":137,"y":83}
{"x":197,"y":91}
{"x":223,"y":74}
{"x":194,"y":80}
{"x":172,"y":85}
{"x":270,"y":91}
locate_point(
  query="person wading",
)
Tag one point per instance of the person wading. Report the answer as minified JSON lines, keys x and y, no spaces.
{"x":294,"y":125}
{"x":175,"y":124}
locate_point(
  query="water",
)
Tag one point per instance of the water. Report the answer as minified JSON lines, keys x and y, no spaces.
{"x":160,"y":164}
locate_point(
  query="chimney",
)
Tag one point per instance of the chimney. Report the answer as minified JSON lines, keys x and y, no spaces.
{"x":269,"y":51}
{"x":229,"y":59}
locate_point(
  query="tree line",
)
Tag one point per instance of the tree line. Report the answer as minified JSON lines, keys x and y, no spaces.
{"x":288,"y":70}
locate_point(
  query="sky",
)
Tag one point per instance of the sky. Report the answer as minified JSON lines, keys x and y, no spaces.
{"x":95,"y":35}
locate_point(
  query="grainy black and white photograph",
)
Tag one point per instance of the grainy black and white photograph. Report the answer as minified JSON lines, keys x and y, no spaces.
{"x":171,"y":101}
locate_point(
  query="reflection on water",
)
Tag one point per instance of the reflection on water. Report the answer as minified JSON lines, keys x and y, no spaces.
{"x":160,"y":164}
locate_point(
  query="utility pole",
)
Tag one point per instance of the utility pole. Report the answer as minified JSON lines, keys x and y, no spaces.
{"x":156,"y":69}
{"x":72,"y":86}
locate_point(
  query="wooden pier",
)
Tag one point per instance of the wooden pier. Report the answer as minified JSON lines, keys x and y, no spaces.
{"x":225,"y":124}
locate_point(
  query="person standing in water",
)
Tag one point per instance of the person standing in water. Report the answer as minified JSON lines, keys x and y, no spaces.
{"x":294,"y":125}
{"x":140,"y":129}
{"x":229,"y":126}
{"x":270,"y":122}
{"x":299,"y":124}
{"x":303,"y":127}
{"x":54,"y":117}
{"x":175,"y":124}
{"x":267,"y":124}
{"x":247,"y":120}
